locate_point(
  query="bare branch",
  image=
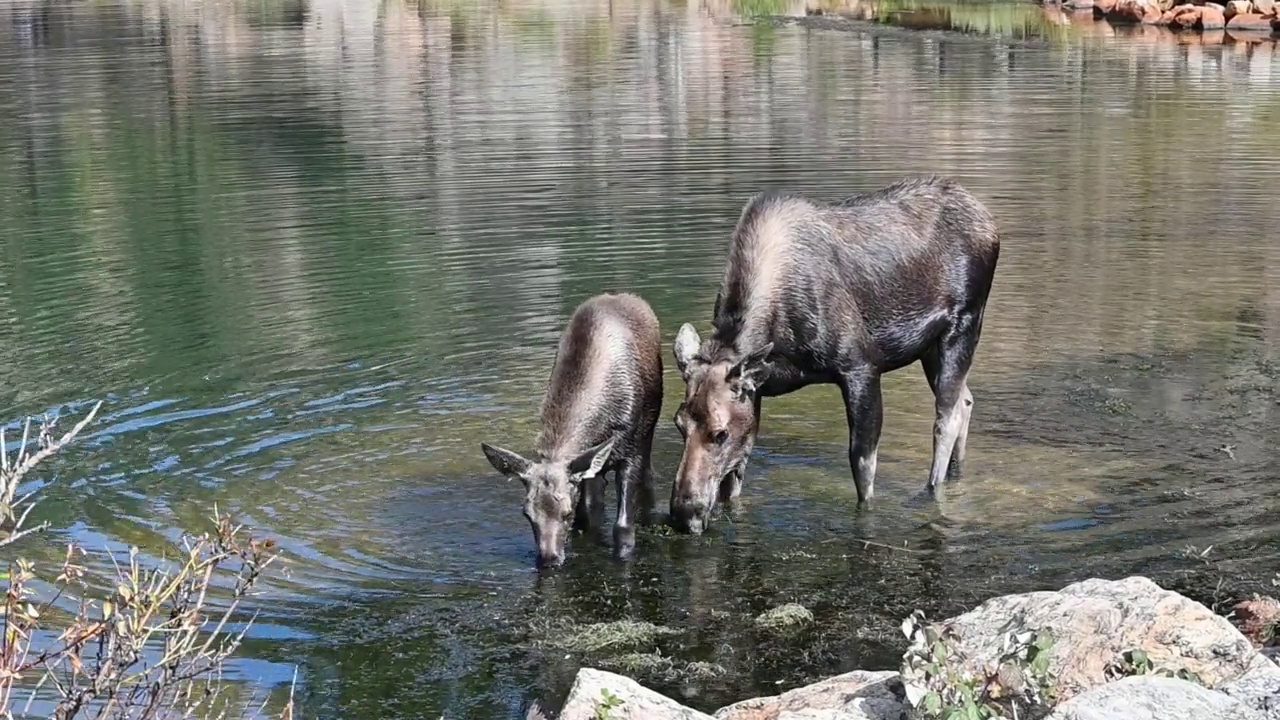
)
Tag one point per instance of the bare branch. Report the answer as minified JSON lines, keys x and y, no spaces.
{"x":30,"y":461}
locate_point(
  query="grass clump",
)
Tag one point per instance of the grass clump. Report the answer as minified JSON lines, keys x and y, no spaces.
{"x":784,"y":617}
{"x":616,"y":635}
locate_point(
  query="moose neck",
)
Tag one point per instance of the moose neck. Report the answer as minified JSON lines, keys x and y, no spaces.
{"x":731,"y":344}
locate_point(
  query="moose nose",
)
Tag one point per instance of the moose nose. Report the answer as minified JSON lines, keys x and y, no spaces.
{"x":690,"y":516}
{"x":550,"y":560}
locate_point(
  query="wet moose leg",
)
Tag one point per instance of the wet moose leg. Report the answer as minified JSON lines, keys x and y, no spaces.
{"x":589,"y":515}
{"x":932,"y":366}
{"x":865,"y":414}
{"x":631,"y":478}
{"x":953,"y":403}
{"x":647,"y":486}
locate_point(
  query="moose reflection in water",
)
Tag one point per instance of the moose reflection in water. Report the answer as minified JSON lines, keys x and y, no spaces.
{"x":835,"y":293}
{"x":599,"y":413}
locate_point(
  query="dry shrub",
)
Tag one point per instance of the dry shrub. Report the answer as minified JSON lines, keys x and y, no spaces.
{"x":154,"y":648}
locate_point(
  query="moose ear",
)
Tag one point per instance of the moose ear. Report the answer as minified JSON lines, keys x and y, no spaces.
{"x":590,"y":463}
{"x":686,"y":347}
{"x":753,"y":368}
{"x":505,"y":461}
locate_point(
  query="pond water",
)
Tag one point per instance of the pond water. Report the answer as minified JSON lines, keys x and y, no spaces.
{"x":310,"y":255}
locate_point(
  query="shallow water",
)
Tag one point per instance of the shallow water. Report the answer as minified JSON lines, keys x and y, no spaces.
{"x":310,"y":255}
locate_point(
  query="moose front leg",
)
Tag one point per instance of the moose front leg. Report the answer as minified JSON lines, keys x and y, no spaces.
{"x":589,"y":515}
{"x":631,"y":485}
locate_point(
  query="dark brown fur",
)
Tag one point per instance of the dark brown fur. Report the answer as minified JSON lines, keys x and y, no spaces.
{"x":599,"y":412}
{"x":835,"y":293}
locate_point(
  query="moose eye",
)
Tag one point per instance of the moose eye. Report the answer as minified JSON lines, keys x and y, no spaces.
{"x":720,"y":437}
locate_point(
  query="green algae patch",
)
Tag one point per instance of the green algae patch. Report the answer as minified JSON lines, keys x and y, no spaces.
{"x":616,"y":635}
{"x":784,"y":617}
{"x":634,"y":664}
{"x":664,"y":668}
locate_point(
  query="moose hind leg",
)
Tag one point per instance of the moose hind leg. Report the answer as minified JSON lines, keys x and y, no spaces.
{"x":953,"y":402}
{"x":932,"y":369}
{"x":966,"y":410}
{"x":864,"y":411}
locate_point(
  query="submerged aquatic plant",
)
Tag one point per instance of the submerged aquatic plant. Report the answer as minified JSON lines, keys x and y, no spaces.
{"x":783,"y":617}
{"x":616,"y":635}
{"x":666,"y":668}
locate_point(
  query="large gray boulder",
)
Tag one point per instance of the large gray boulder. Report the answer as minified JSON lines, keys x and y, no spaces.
{"x":1095,"y":622}
{"x":595,"y":689}
{"x":1151,"y":697}
{"x":1259,"y":689}
{"x":857,"y":695}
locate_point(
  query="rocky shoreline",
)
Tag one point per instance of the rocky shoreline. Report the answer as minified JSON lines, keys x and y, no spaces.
{"x":1094,"y":650}
{"x":1243,"y":19}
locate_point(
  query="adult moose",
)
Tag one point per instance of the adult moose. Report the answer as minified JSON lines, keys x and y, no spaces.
{"x":817,"y":293}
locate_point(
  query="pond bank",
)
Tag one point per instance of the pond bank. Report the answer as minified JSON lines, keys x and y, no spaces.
{"x":1241,"y":20}
{"x":1094,"y":649}
{"x":1177,"y":21}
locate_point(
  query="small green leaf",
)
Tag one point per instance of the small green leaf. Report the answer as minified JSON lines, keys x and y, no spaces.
{"x":932,"y":703}
{"x":939,"y":652}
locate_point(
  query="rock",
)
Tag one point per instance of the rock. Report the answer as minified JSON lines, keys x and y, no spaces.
{"x":1211,"y":18}
{"x":1134,"y":11}
{"x":1265,"y":8}
{"x":1151,"y":14}
{"x":1104,"y":6}
{"x":1238,"y":7}
{"x":1217,"y":6}
{"x":1095,"y":622}
{"x":636,"y":701}
{"x":857,"y":695}
{"x":1249,"y":22}
{"x":1166,"y":18}
{"x":1258,"y":689}
{"x":1152,"y":698}
{"x":1185,"y":16}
